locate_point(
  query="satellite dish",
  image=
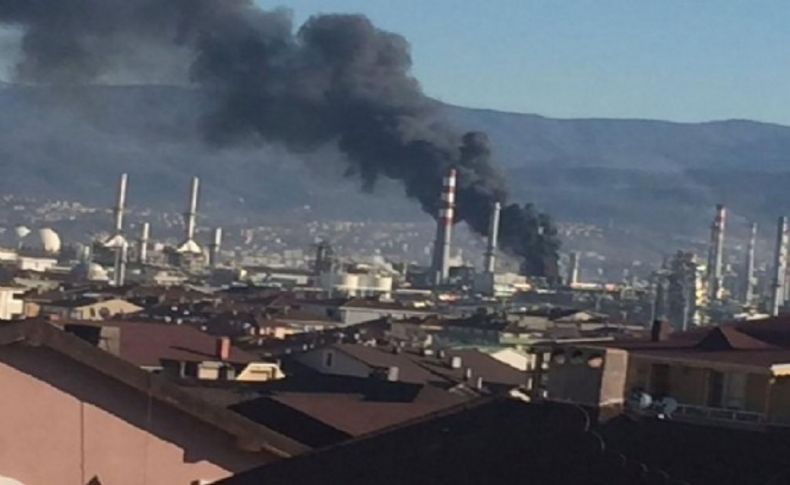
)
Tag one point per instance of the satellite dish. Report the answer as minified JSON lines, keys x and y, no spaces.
{"x":641,"y":400}
{"x":666,"y":407}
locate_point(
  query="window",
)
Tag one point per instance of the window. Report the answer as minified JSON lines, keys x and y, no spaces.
{"x":715,"y":388}
{"x":329,"y":358}
{"x":190,"y":369}
{"x":659,"y":380}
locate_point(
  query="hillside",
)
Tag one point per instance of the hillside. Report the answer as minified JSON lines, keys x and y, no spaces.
{"x":72,"y":144}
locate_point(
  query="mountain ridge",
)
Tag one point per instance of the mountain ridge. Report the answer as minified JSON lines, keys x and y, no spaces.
{"x":72,"y":142}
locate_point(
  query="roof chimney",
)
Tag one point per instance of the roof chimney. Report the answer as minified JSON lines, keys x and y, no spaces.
{"x":393,"y":374}
{"x":456,"y":362}
{"x":223,"y":348}
{"x":468,"y":373}
{"x":660,"y":331}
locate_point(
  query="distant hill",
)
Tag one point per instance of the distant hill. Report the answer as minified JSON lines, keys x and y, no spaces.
{"x":650,"y":173}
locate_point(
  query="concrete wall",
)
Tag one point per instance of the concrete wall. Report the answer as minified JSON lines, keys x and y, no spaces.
{"x":613,"y":380}
{"x":757,"y":393}
{"x":63,"y":423}
{"x":574,"y":381}
{"x":689,"y":385}
{"x":779,"y":405}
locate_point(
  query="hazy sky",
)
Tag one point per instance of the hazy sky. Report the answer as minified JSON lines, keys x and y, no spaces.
{"x":684,"y":60}
{"x":670,"y":59}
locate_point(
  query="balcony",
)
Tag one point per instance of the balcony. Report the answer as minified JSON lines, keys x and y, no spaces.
{"x":735,"y":418}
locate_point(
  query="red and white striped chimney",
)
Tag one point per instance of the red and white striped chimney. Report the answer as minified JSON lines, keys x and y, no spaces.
{"x":444,"y":230}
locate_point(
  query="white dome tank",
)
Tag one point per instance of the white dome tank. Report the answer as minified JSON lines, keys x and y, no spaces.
{"x":48,"y":241}
{"x":21,"y":231}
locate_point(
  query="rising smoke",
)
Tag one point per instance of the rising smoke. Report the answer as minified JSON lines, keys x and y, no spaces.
{"x":336,"y":80}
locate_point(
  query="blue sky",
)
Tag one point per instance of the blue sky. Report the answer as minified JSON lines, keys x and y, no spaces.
{"x":686,"y":60}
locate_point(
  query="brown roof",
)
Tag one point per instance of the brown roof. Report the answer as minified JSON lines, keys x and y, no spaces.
{"x":481,"y":364}
{"x":760,"y":343}
{"x":414,"y":367}
{"x":408,"y":370}
{"x":148,"y":344}
{"x":356,"y":416}
{"x":37,"y":333}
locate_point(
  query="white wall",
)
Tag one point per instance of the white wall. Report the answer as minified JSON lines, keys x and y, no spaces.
{"x":11,"y":304}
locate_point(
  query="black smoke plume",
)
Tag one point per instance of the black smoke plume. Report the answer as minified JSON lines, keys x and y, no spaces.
{"x":336,"y":80}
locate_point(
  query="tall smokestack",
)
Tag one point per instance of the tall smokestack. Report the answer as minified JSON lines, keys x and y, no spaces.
{"x":121,"y":206}
{"x":189,"y":245}
{"x":780,"y":267}
{"x":213,"y":249}
{"x":715,"y":256}
{"x":573,"y":268}
{"x":120,"y":264}
{"x":493,"y":234}
{"x":142,"y":253}
{"x":191,"y":213}
{"x":444,"y":230}
{"x":117,"y":240}
{"x":748,"y":270}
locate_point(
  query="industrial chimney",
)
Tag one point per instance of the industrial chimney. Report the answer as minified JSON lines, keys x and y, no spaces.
{"x":573,"y":268}
{"x":716,"y":253}
{"x":120,"y":264}
{"x":142,"y":253}
{"x":780,"y":267}
{"x":493,"y":234}
{"x":444,"y":228}
{"x":214,"y":247}
{"x":748,"y":270}
{"x":189,"y":245}
{"x":117,"y":240}
{"x":121,"y":206}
